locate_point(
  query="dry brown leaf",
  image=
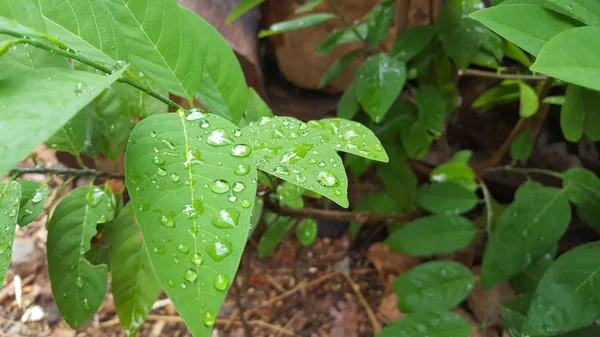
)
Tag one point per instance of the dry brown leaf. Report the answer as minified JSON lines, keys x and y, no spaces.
{"x":485,"y":302}
{"x":388,"y":263}
{"x":345,"y":321}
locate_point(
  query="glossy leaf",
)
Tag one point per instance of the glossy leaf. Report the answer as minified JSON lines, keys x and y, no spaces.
{"x":510,"y":50}
{"x":586,"y":11}
{"x":528,"y":280}
{"x":295,"y":24}
{"x":351,"y":137}
{"x":256,"y":107}
{"x":241,"y":8}
{"x":192,"y":193}
{"x":279,"y":226}
{"x":580,"y":114}
{"x":435,"y":323}
{"x":33,"y":200}
{"x":566,"y":298}
{"x":570,"y":56}
{"x":412,"y":41}
{"x":309,"y":6}
{"x":349,"y":105}
{"x":446,"y":198}
{"x":223,"y":88}
{"x":460,"y":37}
{"x":522,"y":147}
{"x":435,"y":285}
{"x":134,"y":285}
{"x":72,"y":136}
{"x":306,"y":232}
{"x":159,"y":40}
{"x":381,"y":21}
{"x":506,"y":92}
{"x":529,"y":103}
{"x":290,"y":150}
{"x":514,"y":23}
{"x":32,"y":121}
{"x":456,"y":170}
{"x":432,"y":108}
{"x":78,"y":286}
{"x":10,"y":195}
{"x":378,"y":83}
{"x":432,"y":235}
{"x":23,"y":58}
{"x":582,"y":188}
{"x":86,"y":26}
{"x":21,"y":16}
{"x":290,"y":195}
{"x":527,"y":229}
{"x":338,"y":67}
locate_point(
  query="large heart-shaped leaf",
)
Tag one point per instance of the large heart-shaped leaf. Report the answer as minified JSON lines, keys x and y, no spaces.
{"x":59,"y":95}
{"x":77,"y":285}
{"x":134,"y":284}
{"x":526,"y":230}
{"x":160,"y":42}
{"x":21,"y":16}
{"x":288,"y":149}
{"x":192,"y":188}
{"x":33,"y":200}
{"x":10,"y":195}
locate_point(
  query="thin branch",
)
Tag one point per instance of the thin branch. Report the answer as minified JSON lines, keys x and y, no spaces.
{"x":487,"y":197}
{"x":500,"y":76}
{"x":336,"y":10}
{"x":67,"y":172}
{"x":331,"y":215}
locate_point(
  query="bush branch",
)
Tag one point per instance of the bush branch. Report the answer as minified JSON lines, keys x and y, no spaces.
{"x":500,"y":76}
{"x":332,"y":215}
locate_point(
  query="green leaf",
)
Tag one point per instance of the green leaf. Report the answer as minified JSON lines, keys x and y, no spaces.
{"x":157,"y":34}
{"x":349,"y":105}
{"x":400,"y":183}
{"x":528,"y":280}
{"x":256,"y":107}
{"x":86,"y":26}
{"x":241,"y":8}
{"x":432,"y":235}
{"x":522,"y":147}
{"x":10,"y":196}
{"x":33,"y":200}
{"x":442,"y":323}
{"x":460,"y":37}
{"x":295,"y":24}
{"x":192,"y":194}
{"x":77,"y":285}
{"x":492,"y":44}
{"x":338,"y":67}
{"x":223,"y":88}
{"x":288,"y":149}
{"x":306,"y":232}
{"x":22,"y":16}
{"x":308,"y":6}
{"x":56,"y":101}
{"x":134,"y":284}
{"x":582,"y":188}
{"x":341,"y":36}
{"x":412,"y":41}
{"x":529,"y":101}
{"x":506,"y":92}
{"x":435,"y":285}
{"x":586,"y":11}
{"x":527,"y":229}
{"x":279,"y":226}
{"x":378,"y":83}
{"x":580,"y":114}
{"x":456,"y":170}
{"x":514,"y":313}
{"x":514,"y":23}
{"x":289,"y":195}
{"x":376,"y":203}
{"x":415,"y":139}
{"x":571,"y":56}
{"x":556,"y":100}
{"x":566,"y":298}
{"x":381,"y":21}
{"x":22,"y":58}
{"x":432,"y":108}
{"x":510,"y":50}
{"x":351,"y":137}
{"x":448,"y":198}
{"x":72,"y":136}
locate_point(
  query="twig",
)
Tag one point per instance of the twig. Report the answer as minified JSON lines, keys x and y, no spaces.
{"x":238,"y":301}
{"x":67,"y":172}
{"x":289,"y":322}
{"x":364,"y":303}
{"x":487,"y":197}
{"x":500,"y":76}
{"x":336,"y":10}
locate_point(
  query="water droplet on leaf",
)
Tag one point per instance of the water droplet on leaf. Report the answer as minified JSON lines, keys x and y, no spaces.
{"x":221,"y":282}
{"x":226,"y":218}
{"x":219,"y":186}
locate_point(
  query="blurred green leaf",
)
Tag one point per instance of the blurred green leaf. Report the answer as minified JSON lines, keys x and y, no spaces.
{"x":241,"y":8}
{"x":529,"y":101}
{"x":338,"y":67}
{"x":510,"y":50}
{"x":381,"y":21}
{"x":432,"y":108}
{"x":279,"y":226}
{"x":586,"y":11}
{"x":341,"y":36}
{"x":22,"y":16}
{"x":308,"y":6}
{"x":256,"y":107}
{"x":582,"y":188}
{"x":306,"y":232}
{"x":446,"y":198}
{"x":295,"y":24}
{"x":33,"y":200}
{"x":412,"y":41}
{"x":456,"y":170}
{"x":460,"y":37}
{"x":580,"y":114}
{"x":506,"y":92}
{"x":522,"y":146}
{"x":435,"y":323}
{"x":289,"y":195}
{"x":349,"y":105}
{"x":528,"y":280}
{"x":10,"y":195}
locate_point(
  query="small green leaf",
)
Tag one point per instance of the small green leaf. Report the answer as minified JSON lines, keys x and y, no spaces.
{"x":400,"y":183}
{"x":567,"y":297}
{"x":279,"y":226}
{"x":492,"y":44}
{"x":306,"y":232}
{"x":338,"y":67}
{"x":241,"y":8}
{"x":56,"y":101}
{"x":351,"y":137}
{"x":432,"y":235}
{"x":10,"y":195}
{"x":514,"y":313}
{"x":436,"y":323}
{"x":586,"y":11}
{"x":412,"y":41}
{"x":415,"y":139}
{"x":514,"y":23}
{"x":288,"y":149}
{"x":134,"y":284}
{"x":529,"y":101}
{"x":432,"y":108}
{"x":33,"y":200}
{"x":460,"y":37}
{"x":349,"y":105}
{"x":580,"y":114}
{"x":527,"y":229}
{"x":378,"y":83}
{"x":72,"y":136}
{"x":381,"y":21}
{"x":446,"y":198}
{"x":582,"y":188}
{"x":295,"y":24}
{"x":256,"y":107}
{"x":22,"y":16}
{"x":556,"y":100}
{"x":376,"y":203}
{"x":510,"y":50}
{"x":78,"y":286}
{"x":341,"y":36}
{"x":456,"y":170}
{"x":570,"y":56}
{"x":308,"y":6}
{"x":528,"y":280}
{"x":289,"y":195}
{"x":522,"y":146}
{"x":506,"y":92}
{"x":435,"y":285}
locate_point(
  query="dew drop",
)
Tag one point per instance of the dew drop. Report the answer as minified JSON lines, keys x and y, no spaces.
{"x":171,"y":284}
{"x":204,"y":124}
{"x":219,"y":186}
{"x":197,"y":259}
{"x":183,"y":248}
{"x":152,"y":134}
{"x":80,"y":282}
{"x":238,"y":186}
{"x":241,"y":169}
{"x":218,"y":138}
{"x":86,"y":304}
{"x":241,"y":150}
{"x":221,"y":282}
{"x":195,"y":114}
{"x":226,"y":218}
{"x":246,"y":203}
{"x":219,"y":250}
{"x":232,"y":197}
{"x":176,"y":260}
{"x":168,"y":144}
{"x":283,"y":170}
{"x":190,"y":275}
{"x":174,"y":177}
{"x":37,"y":197}
{"x":159,"y":250}
{"x":327,"y":179}
{"x":94,"y":196}
{"x":193,"y":210}
{"x":378,"y":148}
{"x":209,"y":319}
{"x":183,"y":285}
{"x":161,"y":171}
{"x":158,"y":160}
{"x":166,"y":221}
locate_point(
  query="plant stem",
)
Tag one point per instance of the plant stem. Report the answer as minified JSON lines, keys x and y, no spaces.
{"x":68,"y":172}
{"x":336,"y":10}
{"x":487,"y":197}
{"x":91,"y":63}
{"x":490,"y":74}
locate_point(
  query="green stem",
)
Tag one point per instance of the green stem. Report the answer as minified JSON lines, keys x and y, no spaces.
{"x":91,"y":63}
{"x":525,"y":171}
{"x":11,"y":43}
{"x":68,"y":172}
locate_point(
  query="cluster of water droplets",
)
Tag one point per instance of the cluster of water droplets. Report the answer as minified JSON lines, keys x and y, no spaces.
{"x":347,"y":136}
